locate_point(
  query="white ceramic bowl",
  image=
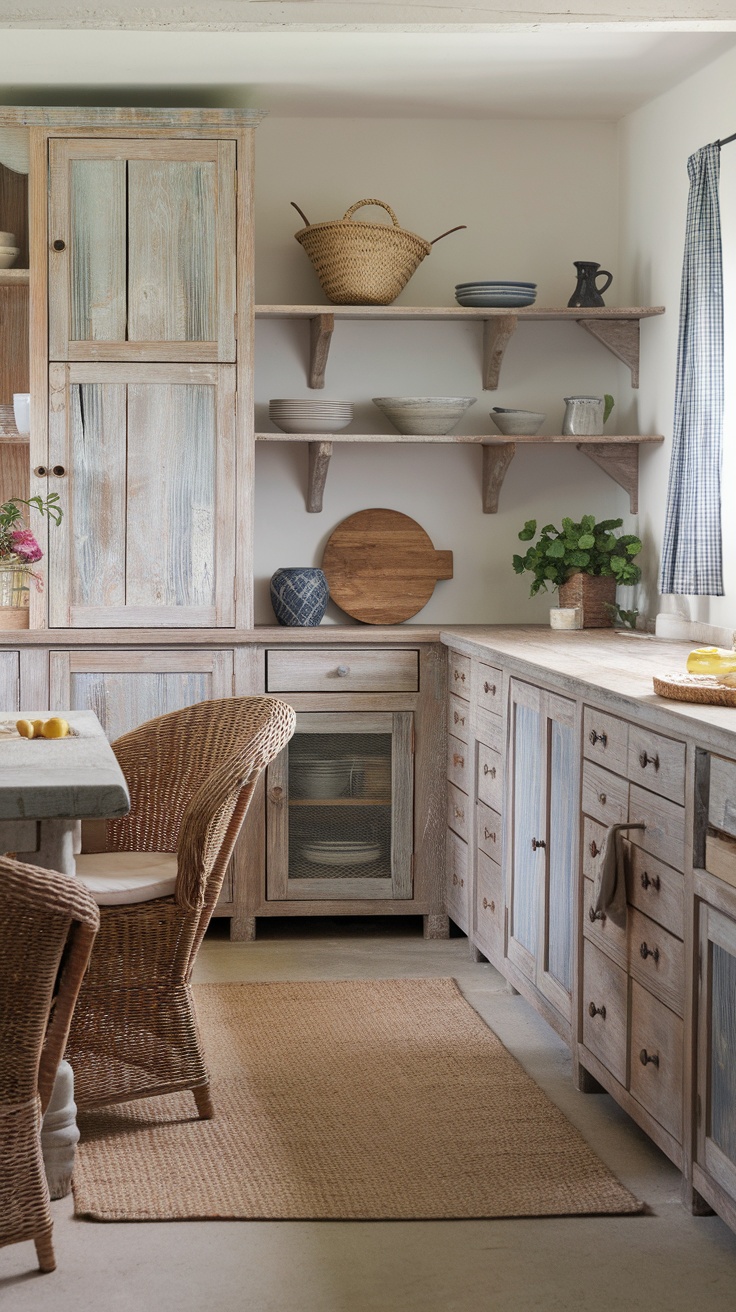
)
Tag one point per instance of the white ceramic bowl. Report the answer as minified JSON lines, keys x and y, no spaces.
{"x":22,"y":412}
{"x":8,"y":256}
{"x":513,"y":423}
{"x":424,"y":416}
{"x":8,"y":239}
{"x":310,"y":424}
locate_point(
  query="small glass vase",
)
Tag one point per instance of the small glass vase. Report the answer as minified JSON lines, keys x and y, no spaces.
{"x":15,"y":592}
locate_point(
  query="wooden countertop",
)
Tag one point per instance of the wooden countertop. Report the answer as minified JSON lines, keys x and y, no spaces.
{"x":356,"y":635}
{"x":613,"y":667}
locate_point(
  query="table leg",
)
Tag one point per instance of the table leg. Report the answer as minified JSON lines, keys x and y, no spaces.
{"x":57,"y":843}
{"x":59,"y":1133}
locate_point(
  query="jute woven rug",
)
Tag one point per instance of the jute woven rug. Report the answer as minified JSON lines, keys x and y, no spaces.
{"x":352,"y":1099}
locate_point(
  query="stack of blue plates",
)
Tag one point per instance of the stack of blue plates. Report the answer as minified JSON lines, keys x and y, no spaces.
{"x":496,"y":292}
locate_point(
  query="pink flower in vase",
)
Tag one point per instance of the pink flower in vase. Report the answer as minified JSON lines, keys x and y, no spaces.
{"x":24,"y":545}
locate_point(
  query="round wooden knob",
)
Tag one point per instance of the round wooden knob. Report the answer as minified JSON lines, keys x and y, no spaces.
{"x":59,"y":245}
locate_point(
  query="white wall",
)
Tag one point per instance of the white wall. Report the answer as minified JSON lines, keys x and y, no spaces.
{"x":655,"y":144}
{"x":535,"y":195}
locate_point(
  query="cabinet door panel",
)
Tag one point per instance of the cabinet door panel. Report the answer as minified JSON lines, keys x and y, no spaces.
{"x":716,"y":1142}
{"x":562,"y":855}
{"x":527,"y":821}
{"x":146,"y":266}
{"x":148,"y":534}
{"x":9,"y":687}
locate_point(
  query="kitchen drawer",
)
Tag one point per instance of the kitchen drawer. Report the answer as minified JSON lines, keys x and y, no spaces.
{"x":458,"y":675}
{"x":657,"y":960}
{"x":657,"y":763}
{"x":458,"y":764}
{"x":342,"y":670}
{"x":489,"y":828}
{"x":656,"y":1038}
{"x":605,"y":795}
{"x":594,"y":836}
{"x":488,"y":913}
{"x":720,"y":857}
{"x":457,"y":880}
{"x":664,"y":832}
{"x":605,"y":739}
{"x":655,"y":889}
{"x":458,"y":718}
{"x":490,"y":777}
{"x":605,"y":1010}
{"x":489,"y":688}
{"x":610,"y":938}
{"x":458,"y":812}
{"x":722,"y":799}
{"x":489,"y":730}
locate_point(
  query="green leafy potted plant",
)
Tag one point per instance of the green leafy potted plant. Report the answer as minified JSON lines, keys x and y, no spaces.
{"x":585,"y":560}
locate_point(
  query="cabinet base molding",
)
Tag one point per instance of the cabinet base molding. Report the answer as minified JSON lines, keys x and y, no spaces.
{"x":518,"y":983}
{"x":669,"y":1146}
{"x":714,"y":1196}
{"x":436,"y":926}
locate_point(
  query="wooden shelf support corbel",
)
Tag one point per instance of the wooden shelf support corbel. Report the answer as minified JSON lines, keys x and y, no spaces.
{"x":496,"y":459}
{"x":496,"y":335}
{"x":321,"y":328}
{"x":621,"y":337}
{"x":620,"y":460}
{"x":320,"y":454}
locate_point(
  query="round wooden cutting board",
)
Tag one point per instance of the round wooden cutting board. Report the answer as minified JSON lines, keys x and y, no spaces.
{"x":381,"y":566}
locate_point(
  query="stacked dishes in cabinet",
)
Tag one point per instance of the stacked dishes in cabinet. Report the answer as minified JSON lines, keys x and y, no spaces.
{"x":633,"y":977}
{"x":340,"y":806}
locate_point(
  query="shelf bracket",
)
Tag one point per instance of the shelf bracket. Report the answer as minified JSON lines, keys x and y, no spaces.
{"x":496,"y":335}
{"x":321,"y":328}
{"x":621,"y":337}
{"x":320,"y":454}
{"x":620,"y":460}
{"x":496,"y":459}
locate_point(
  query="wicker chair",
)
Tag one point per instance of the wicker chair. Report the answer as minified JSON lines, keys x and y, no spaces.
{"x":47,"y":926}
{"x":191,"y":776}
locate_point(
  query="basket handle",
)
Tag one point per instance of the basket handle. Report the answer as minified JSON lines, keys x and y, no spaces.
{"x":301,"y":214}
{"x":360,"y":203}
{"x":459,"y":228}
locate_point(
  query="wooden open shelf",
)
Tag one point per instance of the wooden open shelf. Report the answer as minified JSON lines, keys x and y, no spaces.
{"x":340,"y":801}
{"x":617,"y":328}
{"x":617,"y":456}
{"x":15,"y":277}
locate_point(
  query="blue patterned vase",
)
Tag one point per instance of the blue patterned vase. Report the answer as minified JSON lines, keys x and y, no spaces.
{"x":299,"y":596}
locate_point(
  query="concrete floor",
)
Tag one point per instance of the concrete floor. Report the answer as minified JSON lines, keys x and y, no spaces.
{"x":669,"y":1260}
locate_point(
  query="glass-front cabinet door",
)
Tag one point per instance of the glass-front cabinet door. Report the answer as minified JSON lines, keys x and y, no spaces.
{"x":716,"y":1141}
{"x":340,"y":809}
{"x":141,"y":250}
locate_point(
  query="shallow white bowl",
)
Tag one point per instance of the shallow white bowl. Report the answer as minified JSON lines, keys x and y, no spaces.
{"x":310,"y":424}
{"x":513,"y":423}
{"x":8,"y":256}
{"x":424,"y":416}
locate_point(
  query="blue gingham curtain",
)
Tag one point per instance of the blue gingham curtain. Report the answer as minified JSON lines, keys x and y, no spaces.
{"x":691,"y":554}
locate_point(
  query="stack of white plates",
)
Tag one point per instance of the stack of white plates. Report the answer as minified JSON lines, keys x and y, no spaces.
{"x":9,"y":250}
{"x":496,"y":292}
{"x":336,"y":853}
{"x":322,"y":779}
{"x":311,"y":416}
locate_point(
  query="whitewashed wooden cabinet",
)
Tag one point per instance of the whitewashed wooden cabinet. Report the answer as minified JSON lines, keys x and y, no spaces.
{"x":715,"y":1155}
{"x":9,"y":680}
{"x":143,"y":460}
{"x":142,"y":249}
{"x":543,"y":785}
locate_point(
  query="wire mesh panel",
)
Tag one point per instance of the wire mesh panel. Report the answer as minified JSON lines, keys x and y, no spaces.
{"x":340,"y":806}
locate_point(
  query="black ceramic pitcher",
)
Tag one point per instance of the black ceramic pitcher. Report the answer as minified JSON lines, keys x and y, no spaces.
{"x":587,"y":291}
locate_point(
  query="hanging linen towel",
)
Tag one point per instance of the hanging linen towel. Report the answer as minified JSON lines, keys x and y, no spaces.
{"x":609,"y":896}
{"x":691,"y":552}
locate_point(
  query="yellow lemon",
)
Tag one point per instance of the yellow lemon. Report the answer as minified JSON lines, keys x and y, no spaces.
{"x":38,"y":727}
{"x":25,"y":728}
{"x":55,"y":728}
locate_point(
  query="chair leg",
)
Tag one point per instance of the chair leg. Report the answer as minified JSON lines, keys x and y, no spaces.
{"x":204,"y":1103}
{"x":45,"y":1252}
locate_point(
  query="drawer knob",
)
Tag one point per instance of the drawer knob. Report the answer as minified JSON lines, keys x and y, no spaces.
{"x":538,"y":842}
{"x":596,"y":1011}
{"x":593,"y":848}
{"x":645,"y":951}
{"x":40,"y":471}
{"x":459,"y":815}
{"x":458,"y":718}
{"x":490,"y":770}
{"x":459,"y":675}
{"x":648,"y":1058}
{"x":491,"y":688}
{"x":343,"y":671}
{"x":59,"y":245}
{"x":488,"y":906}
{"x":602,"y":799}
{"x":645,"y":760}
{"x":594,"y":915}
{"x":457,"y":881}
{"x":596,"y":737}
{"x":487,"y":833}
{"x":58,"y":470}
{"x":646,"y":881}
{"x":459,"y":761}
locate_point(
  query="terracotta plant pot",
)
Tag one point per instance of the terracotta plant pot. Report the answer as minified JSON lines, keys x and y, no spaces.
{"x":593,"y":594}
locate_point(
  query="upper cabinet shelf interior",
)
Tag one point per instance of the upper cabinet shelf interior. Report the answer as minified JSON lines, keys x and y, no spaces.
{"x":136,"y":232}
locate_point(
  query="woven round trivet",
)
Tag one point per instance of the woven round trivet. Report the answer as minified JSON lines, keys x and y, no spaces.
{"x":694,"y":688}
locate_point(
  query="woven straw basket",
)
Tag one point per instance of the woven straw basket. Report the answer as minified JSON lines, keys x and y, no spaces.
{"x":361,"y":263}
